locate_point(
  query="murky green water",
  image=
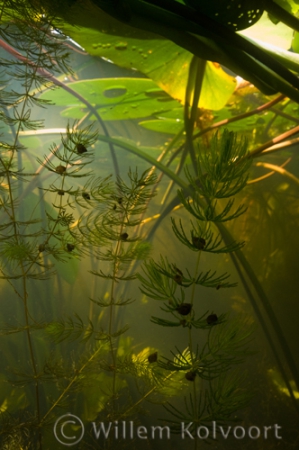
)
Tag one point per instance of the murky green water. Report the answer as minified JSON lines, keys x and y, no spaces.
{"x":131,"y":317}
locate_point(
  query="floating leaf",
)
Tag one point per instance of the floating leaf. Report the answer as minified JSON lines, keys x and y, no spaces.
{"x":162,"y":60}
{"x":131,"y":98}
{"x":170,"y":126}
{"x":279,"y":35}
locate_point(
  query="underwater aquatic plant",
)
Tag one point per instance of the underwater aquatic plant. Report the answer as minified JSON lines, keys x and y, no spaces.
{"x":37,"y":242}
{"x":21,"y":235}
{"x":222,"y":173}
{"x":35,"y":239}
{"x":207,"y":30}
{"x":98,"y":231}
{"x":31,"y":246}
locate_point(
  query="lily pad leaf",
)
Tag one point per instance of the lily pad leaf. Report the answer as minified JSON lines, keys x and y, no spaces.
{"x":168,"y":126}
{"x":130,"y":98}
{"x":160,"y":59}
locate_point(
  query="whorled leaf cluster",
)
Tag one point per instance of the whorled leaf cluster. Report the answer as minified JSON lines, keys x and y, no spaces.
{"x":206,"y":361}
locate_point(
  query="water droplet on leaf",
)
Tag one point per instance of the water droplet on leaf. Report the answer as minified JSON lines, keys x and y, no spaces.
{"x":121,"y":46}
{"x":115,"y":91}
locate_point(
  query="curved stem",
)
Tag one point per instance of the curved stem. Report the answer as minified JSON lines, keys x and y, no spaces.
{"x":216,"y":31}
{"x":267,"y":175}
{"x":225,"y":122}
{"x":266,"y":331}
{"x":194,"y":86}
{"x":267,"y":307}
{"x":47,"y":75}
{"x":69,"y":386}
{"x":276,"y":140}
{"x":259,"y":290}
{"x":280,"y":170}
{"x":281,"y":14}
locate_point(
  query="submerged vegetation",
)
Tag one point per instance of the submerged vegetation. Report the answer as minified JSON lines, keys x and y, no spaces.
{"x":222,"y":173}
{"x":77,"y":336}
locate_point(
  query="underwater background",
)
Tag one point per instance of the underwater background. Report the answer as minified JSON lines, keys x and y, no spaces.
{"x":148,"y":224}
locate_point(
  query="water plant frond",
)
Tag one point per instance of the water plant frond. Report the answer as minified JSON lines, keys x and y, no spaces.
{"x":8,"y":329}
{"x":156,"y":285}
{"x":222,"y":170}
{"x":112,"y":276}
{"x":219,"y":401}
{"x":203,"y":239}
{"x":165,"y":323}
{"x":208,"y":279}
{"x":104,"y":303}
{"x":72,"y":329}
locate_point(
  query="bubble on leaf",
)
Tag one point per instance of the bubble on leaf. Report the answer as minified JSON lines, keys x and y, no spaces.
{"x":121,"y":46}
{"x":115,"y":91}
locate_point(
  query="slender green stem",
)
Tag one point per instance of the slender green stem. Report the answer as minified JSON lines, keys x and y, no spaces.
{"x":281,"y":14}
{"x":192,"y":356}
{"x":225,"y":122}
{"x":111,"y":316}
{"x":68,"y":387}
{"x":194,"y":86}
{"x":12,"y":215}
{"x":266,"y":331}
{"x":269,"y":311}
{"x":145,"y":396}
{"x":48,"y":76}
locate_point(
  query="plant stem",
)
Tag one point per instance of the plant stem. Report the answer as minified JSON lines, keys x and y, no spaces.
{"x":111,"y":314}
{"x":73,"y":380}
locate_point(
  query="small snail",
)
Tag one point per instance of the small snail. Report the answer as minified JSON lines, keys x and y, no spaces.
{"x":86,"y":196}
{"x":190,"y":376}
{"x":184,"y":309}
{"x":41,"y":248}
{"x":153,"y":357}
{"x":198,"y":242}
{"x":60,"y":169}
{"x":212,"y":319}
{"x":81,"y":149}
{"x":178,"y":271}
